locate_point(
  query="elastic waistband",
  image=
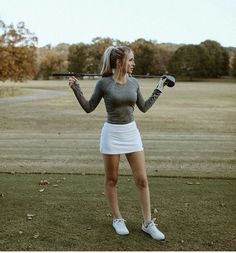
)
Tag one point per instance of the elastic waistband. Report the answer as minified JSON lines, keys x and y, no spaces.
{"x":120,"y":126}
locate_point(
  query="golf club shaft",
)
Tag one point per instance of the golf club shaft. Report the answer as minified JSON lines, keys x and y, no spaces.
{"x":84,"y":74}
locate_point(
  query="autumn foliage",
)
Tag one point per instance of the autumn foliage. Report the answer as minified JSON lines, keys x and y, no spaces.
{"x":51,"y":60}
{"x":21,"y":59}
{"x":17,"y":52}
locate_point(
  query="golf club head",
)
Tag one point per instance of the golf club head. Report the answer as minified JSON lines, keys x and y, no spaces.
{"x":170,"y":80}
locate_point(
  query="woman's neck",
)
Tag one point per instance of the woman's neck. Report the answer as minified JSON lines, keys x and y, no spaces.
{"x":122,"y":79}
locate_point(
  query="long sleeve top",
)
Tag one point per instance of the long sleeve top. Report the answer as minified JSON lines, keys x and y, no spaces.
{"x":119,"y":99}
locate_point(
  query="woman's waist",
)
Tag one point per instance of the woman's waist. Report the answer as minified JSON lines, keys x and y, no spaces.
{"x":120,"y":116}
{"x":121,"y":127}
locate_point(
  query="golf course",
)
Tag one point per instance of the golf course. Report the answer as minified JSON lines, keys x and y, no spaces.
{"x":189,"y":139}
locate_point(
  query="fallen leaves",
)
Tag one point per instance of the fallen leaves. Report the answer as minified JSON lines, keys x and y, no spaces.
{"x":29,"y":216}
{"x":212,"y":243}
{"x":36,"y":236}
{"x":191,"y":183}
{"x":155,"y":211}
{"x":186,"y":204}
{"x":222,"y":205}
{"x":43,"y":182}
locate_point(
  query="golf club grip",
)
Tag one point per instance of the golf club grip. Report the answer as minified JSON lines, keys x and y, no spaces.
{"x":82,"y":74}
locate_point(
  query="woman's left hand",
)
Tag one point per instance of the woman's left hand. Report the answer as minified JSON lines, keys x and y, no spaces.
{"x":161,"y":83}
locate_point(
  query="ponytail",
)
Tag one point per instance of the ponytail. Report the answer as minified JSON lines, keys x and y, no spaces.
{"x":110,"y":57}
{"x":106,"y":62}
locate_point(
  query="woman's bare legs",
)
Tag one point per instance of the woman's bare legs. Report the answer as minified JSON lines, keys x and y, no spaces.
{"x":111,"y":165}
{"x":137,"y":164}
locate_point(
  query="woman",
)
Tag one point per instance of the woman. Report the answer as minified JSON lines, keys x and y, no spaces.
{"x":119,"y":134}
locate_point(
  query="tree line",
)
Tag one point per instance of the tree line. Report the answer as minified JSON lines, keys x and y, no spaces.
{"x":21,"y":59}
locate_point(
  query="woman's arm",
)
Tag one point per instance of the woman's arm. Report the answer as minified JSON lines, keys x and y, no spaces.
{"x":146,"y":105}
{"x":91,"y":104}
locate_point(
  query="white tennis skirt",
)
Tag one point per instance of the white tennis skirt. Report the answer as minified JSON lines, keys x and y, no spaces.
{"x":120,"y":139}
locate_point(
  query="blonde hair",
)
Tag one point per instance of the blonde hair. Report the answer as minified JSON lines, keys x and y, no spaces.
{"x":110,"y":57}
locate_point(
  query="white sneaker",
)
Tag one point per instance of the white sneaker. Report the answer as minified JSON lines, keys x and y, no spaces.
{"x":153,"y":231}
{"x":120,"y":227}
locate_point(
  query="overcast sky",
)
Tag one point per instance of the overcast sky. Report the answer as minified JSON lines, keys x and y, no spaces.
{"x":175,"y":21}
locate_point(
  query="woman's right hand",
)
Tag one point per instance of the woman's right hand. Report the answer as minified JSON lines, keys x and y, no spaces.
{"x":72,"y":80}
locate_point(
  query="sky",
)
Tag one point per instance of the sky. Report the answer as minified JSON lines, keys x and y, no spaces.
{"x":163,"y":21}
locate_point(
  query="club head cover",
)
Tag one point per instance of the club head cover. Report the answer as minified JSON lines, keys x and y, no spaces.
{"x":170,"y":80}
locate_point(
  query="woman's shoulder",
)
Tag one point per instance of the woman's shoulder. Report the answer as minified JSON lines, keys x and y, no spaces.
{"x":133,"y":80}
{"x":103,"y":82}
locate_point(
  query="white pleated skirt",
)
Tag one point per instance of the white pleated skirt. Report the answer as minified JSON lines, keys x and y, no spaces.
{"x":120,"y":139}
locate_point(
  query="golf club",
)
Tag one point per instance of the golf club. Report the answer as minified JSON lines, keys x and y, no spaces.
{"x":170,"y":79}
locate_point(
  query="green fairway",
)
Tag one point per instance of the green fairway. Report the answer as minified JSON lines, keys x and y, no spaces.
{"x":71,"y":214}
{"x":190,"y":131}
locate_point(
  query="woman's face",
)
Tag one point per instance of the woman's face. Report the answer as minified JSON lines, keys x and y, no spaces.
{"x":130,"y":63}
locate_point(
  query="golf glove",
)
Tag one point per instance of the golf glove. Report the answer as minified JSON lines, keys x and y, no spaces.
{"x":161,"y":83}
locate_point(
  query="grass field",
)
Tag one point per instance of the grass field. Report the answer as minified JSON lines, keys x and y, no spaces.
{"x":72,"y":214}
{"x":190,"y":131}
{"x":189,"y":138}
{"x":10,"y":91}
